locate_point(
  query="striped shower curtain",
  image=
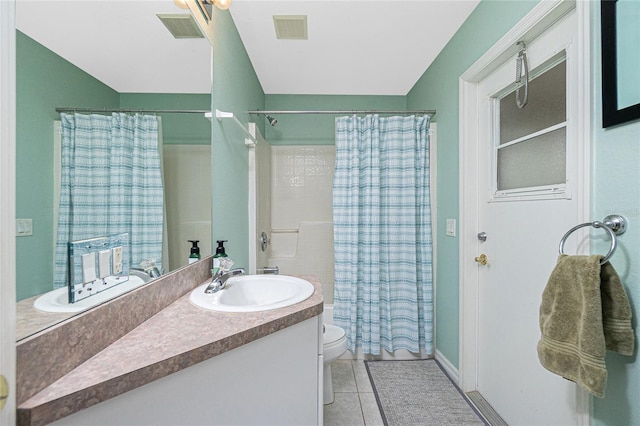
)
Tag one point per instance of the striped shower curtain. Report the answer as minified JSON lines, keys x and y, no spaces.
{"x":383,"y":294}
{"x":111,"y":183}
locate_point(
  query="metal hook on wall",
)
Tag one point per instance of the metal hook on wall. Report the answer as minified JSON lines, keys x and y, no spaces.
{"x":522,"y":67}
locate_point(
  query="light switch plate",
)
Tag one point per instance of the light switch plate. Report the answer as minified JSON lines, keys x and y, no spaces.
{"x":116,"y":257}
{"x":88,"y":267}
{"x":24,"y":227}
{"x":104,"y":263}
{"x":451,"y":227}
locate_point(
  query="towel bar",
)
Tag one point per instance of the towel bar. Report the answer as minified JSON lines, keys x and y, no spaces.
{"x":613,"y":224}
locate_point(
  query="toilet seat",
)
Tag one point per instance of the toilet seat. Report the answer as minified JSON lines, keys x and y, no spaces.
{"x":334,"y":343}
{"x":332,"y":334}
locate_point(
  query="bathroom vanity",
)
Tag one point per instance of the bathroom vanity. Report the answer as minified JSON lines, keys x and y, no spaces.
{"x":180,"y":365}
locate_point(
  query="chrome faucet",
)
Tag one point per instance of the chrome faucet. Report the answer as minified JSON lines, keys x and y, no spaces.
{"x":148,"y":267}
{"x":219,"y":281}
{"x":148,"y":273}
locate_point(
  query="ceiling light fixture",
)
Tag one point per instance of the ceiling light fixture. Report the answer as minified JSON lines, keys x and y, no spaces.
{"x":220,"y":4}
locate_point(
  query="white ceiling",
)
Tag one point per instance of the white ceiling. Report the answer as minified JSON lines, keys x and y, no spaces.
{"x":355,"y":47}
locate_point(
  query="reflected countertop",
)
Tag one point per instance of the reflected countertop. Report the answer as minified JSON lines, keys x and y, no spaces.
{"x":29,"y":320}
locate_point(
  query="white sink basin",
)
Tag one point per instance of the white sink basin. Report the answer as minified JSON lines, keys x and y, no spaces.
{"x":58,"y":300}
{"x":253,"y":293}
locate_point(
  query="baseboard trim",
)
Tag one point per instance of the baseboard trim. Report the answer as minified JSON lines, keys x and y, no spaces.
{"x":450,"y":369}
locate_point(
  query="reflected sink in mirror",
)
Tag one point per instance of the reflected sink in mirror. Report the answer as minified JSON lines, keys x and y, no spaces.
{"x":253,"y":293}
{"x":58,"y":300}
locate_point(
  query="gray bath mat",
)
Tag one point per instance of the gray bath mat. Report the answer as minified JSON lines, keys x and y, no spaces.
{"x":418,"y":393}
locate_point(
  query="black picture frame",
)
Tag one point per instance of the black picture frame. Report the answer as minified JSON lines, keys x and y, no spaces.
{"x":611,"y":115}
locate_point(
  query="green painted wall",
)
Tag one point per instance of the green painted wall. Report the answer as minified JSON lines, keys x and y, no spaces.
{"x":616,"y":189}
{"x":45,"y":81}
{"x":176,"y":128}
{"x":236,"y":89}
{"x":318,"y":129}
{"x":438,"y":89}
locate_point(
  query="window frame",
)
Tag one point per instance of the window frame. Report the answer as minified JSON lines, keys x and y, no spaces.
{"x":543,"y":192}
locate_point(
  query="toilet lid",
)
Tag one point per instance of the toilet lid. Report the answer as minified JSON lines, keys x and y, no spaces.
{"x":332,"y":333}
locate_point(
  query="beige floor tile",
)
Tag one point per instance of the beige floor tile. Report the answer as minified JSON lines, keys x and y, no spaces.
{"x":343,"y":377}
{"x":354,"y":403}
{"x":345,"y":411}
{"x":370,"y":409}
{"x":362,"y":377}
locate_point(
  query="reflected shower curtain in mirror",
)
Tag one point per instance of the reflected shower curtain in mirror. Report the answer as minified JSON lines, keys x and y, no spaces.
{"x":383,"y":295}
{"x":111,"y":183}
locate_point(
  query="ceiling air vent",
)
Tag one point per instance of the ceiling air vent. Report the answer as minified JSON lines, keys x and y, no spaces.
{"x":291,"y":27}
{"x":181,"y":25}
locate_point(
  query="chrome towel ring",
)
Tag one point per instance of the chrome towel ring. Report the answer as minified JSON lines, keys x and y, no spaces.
{"x":613,"y":224}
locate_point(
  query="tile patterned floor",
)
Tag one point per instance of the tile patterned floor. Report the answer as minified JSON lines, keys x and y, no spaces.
{"x":354,"y":403}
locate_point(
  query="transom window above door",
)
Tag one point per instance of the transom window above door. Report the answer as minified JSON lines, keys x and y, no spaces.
{"x":530,"y":143}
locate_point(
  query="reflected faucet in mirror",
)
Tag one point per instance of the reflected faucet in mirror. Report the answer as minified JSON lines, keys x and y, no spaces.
{"x":149,"y":268}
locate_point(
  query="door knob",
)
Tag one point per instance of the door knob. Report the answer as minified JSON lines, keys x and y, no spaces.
{"x":4,"y":391}
{"x":482,"y":259}
{"x":264,"y":241}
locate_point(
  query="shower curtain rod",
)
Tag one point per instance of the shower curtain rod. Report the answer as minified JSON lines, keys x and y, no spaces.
{"x":430,"y":112}
{"x":148,"y":111}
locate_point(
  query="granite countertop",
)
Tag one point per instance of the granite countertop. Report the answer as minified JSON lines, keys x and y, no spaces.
{"x":178,"y":337}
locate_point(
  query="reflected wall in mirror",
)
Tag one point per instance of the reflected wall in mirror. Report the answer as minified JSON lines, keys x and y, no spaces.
{"x":620,"y":61}
{"x":46,"y":80}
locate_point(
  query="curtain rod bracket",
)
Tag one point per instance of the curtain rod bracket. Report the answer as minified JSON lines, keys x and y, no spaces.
{"x":250,"y":140}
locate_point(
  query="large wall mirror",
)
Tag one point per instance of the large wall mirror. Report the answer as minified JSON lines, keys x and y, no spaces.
{"x":108,"y":55}
{"x":620,"y":61}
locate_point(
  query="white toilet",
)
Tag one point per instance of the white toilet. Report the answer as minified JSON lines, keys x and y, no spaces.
{"x":334,"y":345}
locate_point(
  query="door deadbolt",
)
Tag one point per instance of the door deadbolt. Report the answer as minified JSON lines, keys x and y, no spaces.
{"x":482,"y":259}
{"x":482,"y":236}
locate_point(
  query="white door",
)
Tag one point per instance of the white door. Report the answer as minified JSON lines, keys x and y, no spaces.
{"x":526,"y":201}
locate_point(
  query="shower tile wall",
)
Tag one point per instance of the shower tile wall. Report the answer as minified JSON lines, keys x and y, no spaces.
{"x":301,"y":201}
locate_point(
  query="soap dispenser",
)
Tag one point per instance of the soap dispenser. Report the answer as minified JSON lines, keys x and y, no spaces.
{"x":219,"y":253}
{"x":195,"y":251}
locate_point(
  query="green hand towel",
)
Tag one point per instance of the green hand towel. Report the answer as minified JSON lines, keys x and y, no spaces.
{"x":584,"y":312}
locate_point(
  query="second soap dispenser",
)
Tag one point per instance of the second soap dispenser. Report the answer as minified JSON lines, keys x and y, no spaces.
{"x":195,"y":251}
{"x":220,"y":252}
